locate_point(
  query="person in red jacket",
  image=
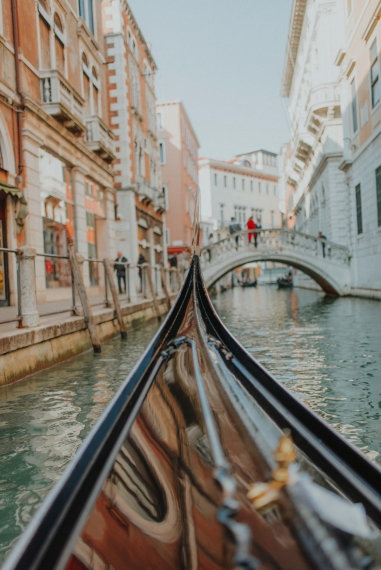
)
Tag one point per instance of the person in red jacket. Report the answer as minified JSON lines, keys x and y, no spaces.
{"x":250,"y":227}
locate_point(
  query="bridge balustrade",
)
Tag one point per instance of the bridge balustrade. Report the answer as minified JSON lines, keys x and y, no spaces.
{"x":270,"y":240}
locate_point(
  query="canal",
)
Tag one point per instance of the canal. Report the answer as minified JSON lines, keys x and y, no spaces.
{"x":326,"y":351}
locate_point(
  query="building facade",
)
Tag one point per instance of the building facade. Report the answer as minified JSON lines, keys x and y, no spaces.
{"x":178,"y":153}
{"x":311,"y":86}
{"x":333,"y":161}
{"x":359,"y":67}
{"x":140,"y":199}
{"x":56,"y":180}
{"x":243,"y":187}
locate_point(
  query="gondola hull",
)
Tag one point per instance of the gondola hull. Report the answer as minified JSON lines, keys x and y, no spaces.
{"x":246,"y":284}
{"x":284,"y":284}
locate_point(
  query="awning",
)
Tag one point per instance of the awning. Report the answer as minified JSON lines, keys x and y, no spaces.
{"x":9,"y":189}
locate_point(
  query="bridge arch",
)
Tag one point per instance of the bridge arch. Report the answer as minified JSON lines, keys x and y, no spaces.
{"x":327,"y":280}
{"x":331,"y":272}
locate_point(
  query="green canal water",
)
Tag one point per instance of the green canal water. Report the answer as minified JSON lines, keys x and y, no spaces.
{"x":326,"y":351}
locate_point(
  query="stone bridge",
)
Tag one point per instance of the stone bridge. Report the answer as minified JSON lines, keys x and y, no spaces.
{"x":326,"y":262}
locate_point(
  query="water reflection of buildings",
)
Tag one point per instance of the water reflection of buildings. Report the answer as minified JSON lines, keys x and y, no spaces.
{"x":159,"y":505}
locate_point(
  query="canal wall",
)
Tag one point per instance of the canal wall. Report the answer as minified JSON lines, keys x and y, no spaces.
{"x":29,"y":350}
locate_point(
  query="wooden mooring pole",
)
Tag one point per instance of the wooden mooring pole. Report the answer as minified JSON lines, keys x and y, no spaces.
{"x":115,"y":298}
{"x":164,"y":283}
{"x":147,"y":268}
{"x":87,"y":312}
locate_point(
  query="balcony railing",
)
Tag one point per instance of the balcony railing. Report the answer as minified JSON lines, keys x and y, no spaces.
{"x":323,"y":104}
{"x":99,"y":138}
{"x":160,"y":202}
{"x":61,"y":101}
{"x":146,"y":193}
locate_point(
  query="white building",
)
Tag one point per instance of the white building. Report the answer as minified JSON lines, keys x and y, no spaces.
{"x":243,"y":187}
{"x":311,"y":85}
{"x":333,"y":161}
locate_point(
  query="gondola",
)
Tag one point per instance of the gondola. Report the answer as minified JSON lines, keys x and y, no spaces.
{"x":203,"y":460}
{"x":284,"y":283}
{"x":249,"y":283}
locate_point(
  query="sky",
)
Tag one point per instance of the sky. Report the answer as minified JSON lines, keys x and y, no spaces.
{"x":224,"y":59}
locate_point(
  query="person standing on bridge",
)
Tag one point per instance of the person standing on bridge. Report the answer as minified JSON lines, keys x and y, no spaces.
{"x":250,"y":227}
{"x":321,"y":237}
{"x":234,"y":228}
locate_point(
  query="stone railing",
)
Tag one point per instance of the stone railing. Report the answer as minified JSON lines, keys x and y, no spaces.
{"x":99,"y":138}
{"x":274,"y":240}
{"x":146,"y":192}
{"x":323,"y":94}
{"x":138,"y":282}
{"x":61,"y":100}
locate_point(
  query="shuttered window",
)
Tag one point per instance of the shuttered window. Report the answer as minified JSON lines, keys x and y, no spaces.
{"x":45,"y":44}
{"x":378,"y":194}
{"x":358,"y":208}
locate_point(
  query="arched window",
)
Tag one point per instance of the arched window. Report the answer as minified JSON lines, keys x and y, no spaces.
{"x":59,"y":44}
{"x":1,"y":158}
{"x":58,"y":23}
{"x":45,"y":5}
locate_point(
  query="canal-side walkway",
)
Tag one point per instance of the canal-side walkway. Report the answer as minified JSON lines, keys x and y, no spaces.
{"x":62,"y":336}
{"x":48,"y":312}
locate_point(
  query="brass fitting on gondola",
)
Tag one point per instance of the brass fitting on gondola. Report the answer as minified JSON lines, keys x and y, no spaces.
{"x":264,"y":496}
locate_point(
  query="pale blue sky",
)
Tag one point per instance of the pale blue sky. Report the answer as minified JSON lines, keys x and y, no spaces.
{"x":224,"y":59}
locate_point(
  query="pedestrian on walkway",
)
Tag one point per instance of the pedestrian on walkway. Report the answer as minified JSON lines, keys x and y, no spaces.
{"x":120,"y":269}
{"x":234,"y":228}
{"x":321,"y":237}
{"x":173,"y":261}
{"x":141,"y":261}
{"x":250,"y":227}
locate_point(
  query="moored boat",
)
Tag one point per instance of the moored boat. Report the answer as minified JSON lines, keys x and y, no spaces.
{"x":284,"y":283}
{"x":249,"y":283}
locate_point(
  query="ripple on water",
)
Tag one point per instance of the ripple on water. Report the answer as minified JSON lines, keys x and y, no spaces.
{"x":325,"y":350}
{"x":44,"y":420}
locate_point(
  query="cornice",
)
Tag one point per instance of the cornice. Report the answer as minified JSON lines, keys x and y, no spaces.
{"x":295,"y":31}
{"x":236,"y":169}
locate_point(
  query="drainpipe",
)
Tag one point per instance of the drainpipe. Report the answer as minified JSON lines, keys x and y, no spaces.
{"x":21,"y":105}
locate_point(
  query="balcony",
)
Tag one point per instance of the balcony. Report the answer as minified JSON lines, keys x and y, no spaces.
{"x":99,"y":138}
{"x":62,"y":102}
{"x":146,"y":193}
{"x":160,"y":203}
{"x":323,"y":104}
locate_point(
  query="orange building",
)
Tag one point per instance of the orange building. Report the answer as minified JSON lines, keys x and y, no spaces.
{"x":55,"y":142}
{"x":178,"y":151}
{"x":130,"y":70}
